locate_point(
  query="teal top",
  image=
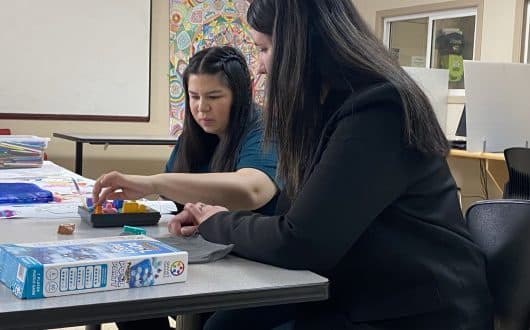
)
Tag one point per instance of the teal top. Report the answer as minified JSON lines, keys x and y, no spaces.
{"x":252,"y":154}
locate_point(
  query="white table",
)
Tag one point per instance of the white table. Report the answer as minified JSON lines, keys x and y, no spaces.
{"x":228,"y":283}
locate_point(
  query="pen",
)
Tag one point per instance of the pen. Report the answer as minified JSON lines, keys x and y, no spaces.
{"x":79,"y":193}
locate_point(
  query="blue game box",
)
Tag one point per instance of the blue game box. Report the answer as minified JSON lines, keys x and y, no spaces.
{"x":47,"y":269}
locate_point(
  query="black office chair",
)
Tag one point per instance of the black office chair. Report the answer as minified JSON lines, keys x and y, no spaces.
{"x":518,"y":163}
{"x":502,"y":229}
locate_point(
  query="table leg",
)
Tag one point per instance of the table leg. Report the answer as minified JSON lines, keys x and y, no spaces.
{"x":498,"y":173}
{"x":189,"y":322}
{"x":79,"y":158}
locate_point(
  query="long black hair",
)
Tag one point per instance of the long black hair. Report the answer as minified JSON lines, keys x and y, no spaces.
{"x":315,"y":42}
{"x":196,"y":147}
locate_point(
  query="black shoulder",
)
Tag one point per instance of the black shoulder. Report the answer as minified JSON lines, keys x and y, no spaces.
{"x":374,"y":96}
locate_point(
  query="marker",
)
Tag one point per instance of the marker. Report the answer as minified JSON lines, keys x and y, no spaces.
{"x":130,"y":230}
{"x":79,"y":193}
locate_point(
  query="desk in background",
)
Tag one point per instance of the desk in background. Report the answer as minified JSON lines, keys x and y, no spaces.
{"x":494,"y":165}
{"x":80,"y":139}
{"x":474,"y":170}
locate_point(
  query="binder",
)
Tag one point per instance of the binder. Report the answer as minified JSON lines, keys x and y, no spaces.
{"x":23,"y":193}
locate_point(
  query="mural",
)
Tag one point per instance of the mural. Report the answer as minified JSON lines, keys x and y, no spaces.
{"x":197,"y":24}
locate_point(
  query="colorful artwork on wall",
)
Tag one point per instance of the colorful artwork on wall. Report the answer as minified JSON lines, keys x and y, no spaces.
{"x":197,"y":24}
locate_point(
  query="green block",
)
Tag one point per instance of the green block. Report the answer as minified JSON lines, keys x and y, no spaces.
{"x":134,"y":230}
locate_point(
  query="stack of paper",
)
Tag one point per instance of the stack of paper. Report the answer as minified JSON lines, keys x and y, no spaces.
{"x":21,"y":151}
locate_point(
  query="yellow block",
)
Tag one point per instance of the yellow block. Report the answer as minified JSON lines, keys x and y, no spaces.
{"x":130,"y":207}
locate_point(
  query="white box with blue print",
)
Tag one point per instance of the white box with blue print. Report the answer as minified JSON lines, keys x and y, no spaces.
{"x":47,"y":269}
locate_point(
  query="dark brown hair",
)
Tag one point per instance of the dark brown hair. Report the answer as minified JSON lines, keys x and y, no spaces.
{"x":196,"y":147}
{"x":315,"y":42}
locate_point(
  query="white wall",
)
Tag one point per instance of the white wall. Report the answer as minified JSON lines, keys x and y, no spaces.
{"x":98,"y":68}
{"x":132,"y":159}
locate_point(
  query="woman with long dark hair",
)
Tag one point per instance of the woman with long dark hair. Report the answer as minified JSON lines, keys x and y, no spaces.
{"x":219,"y":157}
{"x":369,"y":201}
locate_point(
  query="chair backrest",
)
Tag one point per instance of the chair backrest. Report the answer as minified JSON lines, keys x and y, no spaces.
{"x":502,"y":229}
{"x":518,"y":163}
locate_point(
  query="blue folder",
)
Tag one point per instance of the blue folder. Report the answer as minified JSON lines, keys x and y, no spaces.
{"x":23,"y":193}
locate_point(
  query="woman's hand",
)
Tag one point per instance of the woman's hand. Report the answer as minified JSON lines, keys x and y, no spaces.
{"x":115,"y":185}
{"x":186,"y":222}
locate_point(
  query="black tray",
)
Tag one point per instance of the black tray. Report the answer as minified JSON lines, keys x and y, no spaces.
{"x":149,"y":218}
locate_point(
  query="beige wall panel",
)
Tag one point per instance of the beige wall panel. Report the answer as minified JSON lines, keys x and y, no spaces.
{"x":498,"y":30}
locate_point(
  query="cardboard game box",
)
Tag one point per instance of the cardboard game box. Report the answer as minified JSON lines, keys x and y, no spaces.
{"x":46,"y":269}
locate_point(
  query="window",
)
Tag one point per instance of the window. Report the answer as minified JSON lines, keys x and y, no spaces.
{"x":441,"y":39}
{"x":526,"y":56}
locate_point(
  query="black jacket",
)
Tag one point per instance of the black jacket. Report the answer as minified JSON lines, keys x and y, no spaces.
{"x":381,"y":221}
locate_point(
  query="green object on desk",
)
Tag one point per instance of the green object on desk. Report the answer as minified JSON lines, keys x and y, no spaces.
{"x":133,"y":230}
